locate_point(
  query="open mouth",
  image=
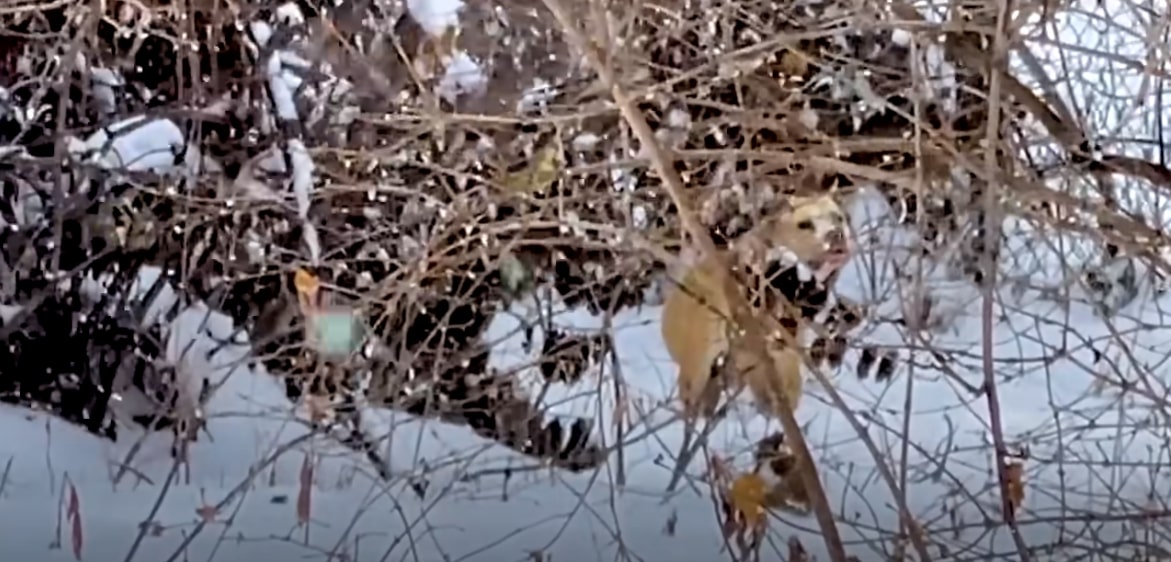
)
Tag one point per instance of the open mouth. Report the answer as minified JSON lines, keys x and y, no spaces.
{"x":838,"y":256}
{"x":833,"y":260}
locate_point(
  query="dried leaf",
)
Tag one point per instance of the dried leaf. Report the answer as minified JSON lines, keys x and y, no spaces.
{"x":76,"y":538}
{"x":747,"y":496}
{"x":308,"y":290}
{"x":744,"y":512}
{"x":793,"y":63}
{"x":74,"y":514}
{"x":206,"y":511}
{"x":305,"y":493}
{"x":536,"y":177}
{"x":1014,"y":485}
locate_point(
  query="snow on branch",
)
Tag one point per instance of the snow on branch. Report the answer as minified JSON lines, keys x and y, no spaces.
{"x":141,"y":144}
{"x":286,"y":73}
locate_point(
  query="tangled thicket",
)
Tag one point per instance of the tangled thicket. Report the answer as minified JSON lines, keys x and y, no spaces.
{"x":429,"y":201}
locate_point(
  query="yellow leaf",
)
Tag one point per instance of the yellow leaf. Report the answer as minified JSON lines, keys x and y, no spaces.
{"x":306,"y":282}
{"x":538,"y":176}
{"x":747,"y":496}
{"x":308,"y":287}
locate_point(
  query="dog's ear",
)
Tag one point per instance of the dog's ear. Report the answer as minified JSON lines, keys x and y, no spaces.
{"x":835,"y":186}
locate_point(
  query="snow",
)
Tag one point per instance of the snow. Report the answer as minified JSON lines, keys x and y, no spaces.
{"x":536,"y":97}
{"x":436,"y":17}
{"x":105,"y":88}
{"x":463,"y":76}
{"x":140,"y":143}
{"x":282,"y":83}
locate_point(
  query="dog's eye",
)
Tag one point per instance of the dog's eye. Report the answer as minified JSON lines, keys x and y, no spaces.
{"x":805,"y":225}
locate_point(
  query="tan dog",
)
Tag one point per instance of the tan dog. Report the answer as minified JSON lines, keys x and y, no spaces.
{"x":801,"y":247}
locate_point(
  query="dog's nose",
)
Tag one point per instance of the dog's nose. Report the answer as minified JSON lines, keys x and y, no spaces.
{"x":836,"y":238}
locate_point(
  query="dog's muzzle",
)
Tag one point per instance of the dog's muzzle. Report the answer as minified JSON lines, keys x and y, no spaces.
{"x":838,"y":251}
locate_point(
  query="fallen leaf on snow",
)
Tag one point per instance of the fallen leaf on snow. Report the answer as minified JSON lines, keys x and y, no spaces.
{"x":305,"y":493}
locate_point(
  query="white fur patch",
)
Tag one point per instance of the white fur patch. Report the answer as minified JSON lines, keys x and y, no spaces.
{"x":786,"y":258}
{"x":782,"y":255}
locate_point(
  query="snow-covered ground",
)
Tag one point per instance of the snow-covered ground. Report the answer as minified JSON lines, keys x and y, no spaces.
{"x":1084,"y":445}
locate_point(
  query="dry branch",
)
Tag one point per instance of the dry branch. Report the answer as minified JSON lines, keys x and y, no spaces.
{"x":991,"y":235}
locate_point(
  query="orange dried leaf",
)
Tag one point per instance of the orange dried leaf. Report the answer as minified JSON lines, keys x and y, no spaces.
{"x":747,"y":496}
{"x":306,"y":282}
{"x":1014,"y":485}
{"x":304,"y":494}
{"x":308,"y":289}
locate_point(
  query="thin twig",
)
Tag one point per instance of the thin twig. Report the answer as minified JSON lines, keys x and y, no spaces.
{"x":4,"y":477}
{"x":991,"y":241}
{"x":154,"y":510}
{"x":621,"y":398}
